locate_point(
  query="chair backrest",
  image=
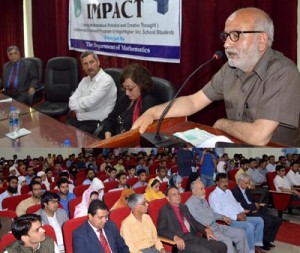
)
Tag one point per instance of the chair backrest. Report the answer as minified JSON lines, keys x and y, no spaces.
{"x":68,"y":228}
{"x":61,"y":78}
{"x":231,"y":184}
{"x":2,"y":189}
{"x":115,"y":73}
{"x":154,"y":207}
{"x":118,"y":215}
{"x":163,"y":90}
{"x":140,"y":190}
{"x":184,"y":182}
{"x":35,"y":208}
{"x":163,"y":187}
{"x":231,"y":174}
{"x":111,"y":197}
{"x":10,"y":238}
{"x":11,"y":203}
{"x":38,"y":63}
{"x":131,"y":181}
{"x":270,"y":180}
{"x":185,"y":196}
{"x":8,"y":213}
{"x":110,"y":185}
{"x":208,"y":191}
{"x":72,"y":206}
{"x":79,"y":180}
{"x":25,"y":189}
{"x":78,"y":190}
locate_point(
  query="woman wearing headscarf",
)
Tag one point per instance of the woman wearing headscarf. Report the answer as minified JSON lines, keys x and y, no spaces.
{"x":82,"y":208}
{"x":175,"y":181}
{"x":152,"y":191}
{"x":122,"y":201}
{"x":44,"y":178}
{"x":13,"y":171}
{"x":21,"y":182}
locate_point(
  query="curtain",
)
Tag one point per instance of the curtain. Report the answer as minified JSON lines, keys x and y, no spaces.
{"x":11,"y":27}
{"x":202,"y":23}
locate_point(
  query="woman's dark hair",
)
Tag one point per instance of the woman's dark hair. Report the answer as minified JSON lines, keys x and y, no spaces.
{"x":155,"y":181}
{"x":94,"y":192}
{"x":140,"y":75}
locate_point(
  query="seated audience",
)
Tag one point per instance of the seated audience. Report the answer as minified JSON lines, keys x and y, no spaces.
{"x":223,"y":202}
{"x":11,"y":189}
{"x":64,"y":194}
{"x":82,"y":207}
{"x":138,"y":229}
{"x":112,"y":173}
{"x":36,"y":191}
{"x":21,"y":182}
{"x":131,"y":171}
{"x":98,"y":233}
{"x":45,"y":181}
{"x":294,"y":174}
{"x":162,"y":174}
{"x":282,"y":184}
{"x":53,"y":215}
{"x":202,"y":212}
{"x":122,"y":201}
{"x":142,"y":176}
{"x":175,"y":222}
{"x":244,"y":196}
{"x":94,"y":97}
{"x":30,"y":236}
{"x":175,"y":181}
{"x":19,"y":76}
{"x":122,"y":179}
{"x":90,"y":175}
{"x":152,"y":191}
{"x":137,"y":83}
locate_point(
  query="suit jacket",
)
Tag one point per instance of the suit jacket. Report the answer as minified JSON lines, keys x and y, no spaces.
{"x":238,"y":195}
{"x":85,"y":240}
{"x":27,"y":77}
{"x":61,"y":216}
{"x":168,"y":224}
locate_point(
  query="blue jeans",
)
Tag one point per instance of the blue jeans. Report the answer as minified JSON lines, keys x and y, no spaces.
{"x":207,"y":180}
{"x":254,"y":228}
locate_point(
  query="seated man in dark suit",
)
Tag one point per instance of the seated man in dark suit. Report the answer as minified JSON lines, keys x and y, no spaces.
{"x":98,"y":234}
{"x":175,"y":222}
{"x":19,"y":77}
{"x":244,"y":196}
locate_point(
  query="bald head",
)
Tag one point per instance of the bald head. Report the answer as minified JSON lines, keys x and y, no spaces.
{"x":257,"y":18}
{"x":198,"y":189}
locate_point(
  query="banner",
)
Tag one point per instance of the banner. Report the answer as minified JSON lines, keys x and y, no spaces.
{"x":137,"y":29}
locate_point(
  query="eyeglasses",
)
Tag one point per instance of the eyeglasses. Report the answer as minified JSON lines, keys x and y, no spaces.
{"x":235,"y":35}
{"x":143,"y":204}
{"x":128,"y":89}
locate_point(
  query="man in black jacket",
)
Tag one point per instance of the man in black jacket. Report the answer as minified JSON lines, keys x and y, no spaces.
{"x":244,"y":196}
{"x":175,"y":222}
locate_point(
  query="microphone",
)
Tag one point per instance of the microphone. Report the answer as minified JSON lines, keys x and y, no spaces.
{"x":168,"y":141}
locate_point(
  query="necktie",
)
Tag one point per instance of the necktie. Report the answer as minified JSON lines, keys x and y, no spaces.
{"x":13,"y":77}
{"x":104,"y":242}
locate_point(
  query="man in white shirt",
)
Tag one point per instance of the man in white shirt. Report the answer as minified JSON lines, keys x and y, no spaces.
{"x":271,"y":165}
{"x":282,"y":184}
{"x":54,"y":216}
{"x":222,"y":201}
{"x":95,"y":96}
{"x":30,"y":236}
{"x":294,"y":174}
{"x":11,"y":190}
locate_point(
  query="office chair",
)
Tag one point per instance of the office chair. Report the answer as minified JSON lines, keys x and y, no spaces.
{"x":163,"y":90}
{"x":38,"y":94}
{"x":61,"y":79}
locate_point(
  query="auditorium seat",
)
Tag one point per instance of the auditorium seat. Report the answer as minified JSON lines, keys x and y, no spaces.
{"x":118,"y":215}
{"x":72,"y":206}
{"x":111,"y":197}
{"x":11,"y":203}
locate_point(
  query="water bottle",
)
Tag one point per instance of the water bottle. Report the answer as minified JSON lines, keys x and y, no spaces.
{"x":67,"y":143}
{"x":14,"y":122}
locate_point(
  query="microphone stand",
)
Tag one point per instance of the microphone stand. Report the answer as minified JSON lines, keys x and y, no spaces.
{"x":170,"y":141}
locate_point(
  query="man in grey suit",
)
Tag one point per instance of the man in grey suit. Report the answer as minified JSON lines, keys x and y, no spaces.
{"x":175,"y":222}
{"x":19,"y":77}
{"x":53,"y":216}
{"x":202,"y":212}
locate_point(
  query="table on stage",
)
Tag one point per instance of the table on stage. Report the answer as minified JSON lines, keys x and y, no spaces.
{"x":169,"y":126}
{"x":45,"y":131}
{"x":6,"y":103}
